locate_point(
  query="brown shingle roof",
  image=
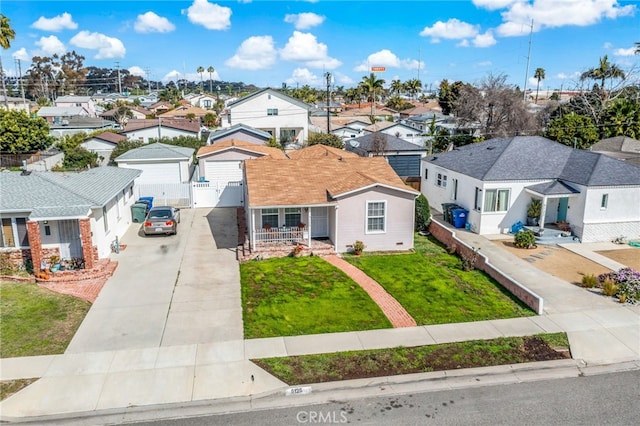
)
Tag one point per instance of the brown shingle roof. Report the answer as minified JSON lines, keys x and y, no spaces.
{"x":111,"y":137}
{"x":319,"y":151}
{"x":233,"y":144}
{"x":310,"y":181}
{"x":181,"y":124}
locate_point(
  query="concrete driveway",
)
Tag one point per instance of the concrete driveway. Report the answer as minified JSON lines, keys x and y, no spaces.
{"x":167,"y":291}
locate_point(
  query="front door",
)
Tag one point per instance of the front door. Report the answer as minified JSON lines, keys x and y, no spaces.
{"x":562,"y":209}
{"x":319,"y":222}
{"x":70,"y":244}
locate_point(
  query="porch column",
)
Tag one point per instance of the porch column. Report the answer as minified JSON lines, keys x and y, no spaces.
{"x":87,"y":242}
{"x":309,"y":226}
{"x":252,"y":230}
{"x":543,"y":213}
{"x":35,"y":245}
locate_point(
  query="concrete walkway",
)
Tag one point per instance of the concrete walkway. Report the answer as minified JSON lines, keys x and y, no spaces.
{"x":183,"y":360}
{"x":392,"y":309}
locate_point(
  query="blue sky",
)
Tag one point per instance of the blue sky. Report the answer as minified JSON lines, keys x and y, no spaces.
{"x":268,"y":43}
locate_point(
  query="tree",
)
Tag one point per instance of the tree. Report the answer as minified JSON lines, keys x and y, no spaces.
{"x":21,"y":133}
{"x":448,"y":94}
{"x":122,"y":147}
{"x":573,"y":130}
{"x":200,"y":70}
{"x":371,"y":85}
{"x":538,"y":75}
{"x":622,"y":118}
{"x":605,"y":70}
{"x":210,"y":70}
{"x":423,"y":214}
{"x":397,"y":87}
{"x":413,"y":87}
{"x":6,"y":35}
{"x":328,"y":139}
{"x":209,"y":119}
{"x":75,"y":156}
{"x":122,"y":115}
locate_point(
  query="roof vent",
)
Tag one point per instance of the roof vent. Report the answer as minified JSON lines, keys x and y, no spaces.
{"x":490,"y":147}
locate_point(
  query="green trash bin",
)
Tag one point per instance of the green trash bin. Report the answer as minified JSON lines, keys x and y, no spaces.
{"x":138,"y":212}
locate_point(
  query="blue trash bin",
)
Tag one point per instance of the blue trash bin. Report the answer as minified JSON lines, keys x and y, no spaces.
{"x":147,"y":200}
{"x":460,"y":217}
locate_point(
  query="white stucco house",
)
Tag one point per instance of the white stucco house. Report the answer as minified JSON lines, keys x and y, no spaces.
{"x":103,"y":144}
{"x":398,"y":130}
{"x":84,"y":102}
{"x":495,"y":180}
{"x":284,"y":117}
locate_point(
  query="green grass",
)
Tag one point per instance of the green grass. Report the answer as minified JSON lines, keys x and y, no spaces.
{"x":36,"y":321}
{"x":401,"y":360}
{"x":294,"y":296}
{"x":434,"y":289}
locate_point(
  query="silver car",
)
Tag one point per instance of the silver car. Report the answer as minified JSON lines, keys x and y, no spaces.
{"x":162,"y":220}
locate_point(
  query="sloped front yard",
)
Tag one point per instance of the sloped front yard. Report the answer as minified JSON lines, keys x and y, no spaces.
{"x":434,"y":289}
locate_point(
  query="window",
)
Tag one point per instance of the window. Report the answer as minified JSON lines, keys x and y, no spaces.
{"x":478,"y":199}
{"x":270,"y":217}
{"x":604,"y":201}
{"x":272,"y":111}
{"x":292,"y":217}
{"x":376,"y":216}
{"x":496,"y":200}
{"x":441,"y":180}
{"x":8,"y":239}
{"x":426,"y":174}
{"x":21,"y":227}
{"x":207,"y":104}
{"x":13,"y":232}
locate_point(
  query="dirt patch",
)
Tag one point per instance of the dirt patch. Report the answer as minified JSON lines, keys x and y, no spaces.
{"x":557,"y":261}
{"x":628,"y":257}
{"x":9,"y":387}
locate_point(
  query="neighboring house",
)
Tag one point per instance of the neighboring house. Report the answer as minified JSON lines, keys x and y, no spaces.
{"x":404,"y":157}
{"x":84,"y":102}
{"x":160,"y":163}
{"x":320,"y":151}
{"x":496,"y":180}
{"x":342,"y":199}
{"x":70,"y":215}
{"x":75,"y":125}
{"x":61,"y":115}
{"x":14,"y":103}
{"x":203,"y":101}
{"x":139,"y":113}
{"x":220,"y":175}
{"x":380,"y":112}
{"x":160,"y":107}
{"x":620,"y":147}
{"x":346,"y":132}
{"x":144,"y":130}
{"x":103,"y":145}
{"x":398,"y":130}
{"x":284,"y":117}
{"x":419,"y":110}
{"x":239,"y":132}
{"x":183,"y":112}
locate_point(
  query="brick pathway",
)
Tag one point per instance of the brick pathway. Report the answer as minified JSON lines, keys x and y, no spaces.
{"x":398,"y":316}
{"x":86,"y":290}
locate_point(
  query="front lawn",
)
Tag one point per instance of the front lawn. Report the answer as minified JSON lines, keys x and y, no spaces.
{"x":36,"y":321}
{"x":293,"y":296}
{"x":434,"y":289}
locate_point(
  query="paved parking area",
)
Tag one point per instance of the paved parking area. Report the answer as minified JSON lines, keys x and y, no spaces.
{"x":169,"y":290}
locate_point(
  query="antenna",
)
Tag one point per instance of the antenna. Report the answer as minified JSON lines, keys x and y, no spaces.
{"x":119,"y":79}
{"x":526,"y":77}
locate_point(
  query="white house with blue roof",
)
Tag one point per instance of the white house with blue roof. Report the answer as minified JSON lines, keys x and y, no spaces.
{"x":70,"y":215}
{"x":495,"y":181}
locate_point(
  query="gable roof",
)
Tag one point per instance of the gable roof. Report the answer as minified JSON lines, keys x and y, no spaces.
{"x":49,"y":195}
{"x":535,"y":157}
{"x":73,"y":98}
{"x":364,"y":145}
{"x":270,"y":91}
{"x":310,"y":181}
{"x":319,"y":151}
{"x":157,"y":151}
{"x":239,"y":128}
{"x":179,"y":124}
{"x":236,"y":145}
{"x":109,"y":137}
{"x":60,"y":111}
{"x":185,"y":110}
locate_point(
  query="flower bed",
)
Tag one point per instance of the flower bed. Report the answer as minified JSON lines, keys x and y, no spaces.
{"x":627,"y":281}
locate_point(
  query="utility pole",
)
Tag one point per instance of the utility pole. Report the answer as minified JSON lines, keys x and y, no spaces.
{"x":327,"y":76}
{"x":148,"y":81}
{"x":526,"y":77}
{"x":24,"y":100}
{"x":119,"y":80}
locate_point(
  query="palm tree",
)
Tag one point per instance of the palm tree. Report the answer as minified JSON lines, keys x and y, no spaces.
{"x":603,"y":71}
{"x":200,"y":70}
{"x":413,"y":86}
{"x":6,"y":35}
{"x":397,"y":87}
{"x":210,"y":70}
{"x":371,"y":84}
{"x":538,"y":75}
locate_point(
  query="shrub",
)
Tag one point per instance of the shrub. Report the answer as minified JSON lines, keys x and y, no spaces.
{"x":525,"y":238}
{"x":589,"y":281}
{"x":609,"y":287}
{"x":358,"y":247}
{"x":627,"y":281}
{"x":423,"y":213}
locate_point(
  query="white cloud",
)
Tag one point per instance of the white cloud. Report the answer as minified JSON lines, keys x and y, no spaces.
{"x":107,"y":47}
{"x":563,"y":76}
{"x":453,"y":29}
{"x":209,"y":15}
{"x":386,"y":58}
{"x":136,"y":70}
{"x":305,"y":48}
{"x":493,"y":4}
{"x":21,"y":54}
{"x":171,"y":76}
{"x":625,"y":52}
{"x":484,"y":64}
{"x":343,"y":79}
{"x":558,"y":13}
{"x":149,"y":22}
{"x":303,"y":21}
{"x":57,"y":23}
{"x":255,"y":53}
{"x":533,"y":82}
{"x":484,"y":40}
{"x":51,"y":45}
{"x":304,"y":76}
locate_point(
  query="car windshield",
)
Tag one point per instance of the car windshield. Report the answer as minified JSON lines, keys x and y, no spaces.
{"x":160,"y":214}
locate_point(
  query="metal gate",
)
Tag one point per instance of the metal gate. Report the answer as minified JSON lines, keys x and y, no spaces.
{"x":218,"y":194}
{"x":167,"y":194}
{"x":70,"y":242}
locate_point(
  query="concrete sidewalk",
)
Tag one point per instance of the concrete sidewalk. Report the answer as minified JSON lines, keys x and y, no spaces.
{"x":190,"y":365}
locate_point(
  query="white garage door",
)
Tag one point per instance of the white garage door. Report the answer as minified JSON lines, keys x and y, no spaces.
{"x":157,"y":173}
{"x":226,"y":177}
{"x":227,"y":171}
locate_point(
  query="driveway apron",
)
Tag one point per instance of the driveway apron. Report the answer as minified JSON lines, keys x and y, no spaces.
{"x":172,"y":290}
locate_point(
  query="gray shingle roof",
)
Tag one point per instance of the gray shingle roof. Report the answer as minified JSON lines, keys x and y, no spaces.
{"x":535,"y":157}
{"x":52,"y":194}
{"x":553,"y":188}
{"x":157,"y":151}
{"x":241,"y":128}
{"x":364,"y":144}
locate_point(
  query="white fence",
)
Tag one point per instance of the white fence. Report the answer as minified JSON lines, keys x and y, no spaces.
{"x":167,"y":194}
{"x":217,"y":194}
{"x":284,"y":234}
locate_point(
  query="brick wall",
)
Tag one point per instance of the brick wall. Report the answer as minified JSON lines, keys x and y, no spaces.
{"x":88,"y":250}
{"x":445,"y":236}
{"x":35,"y":243}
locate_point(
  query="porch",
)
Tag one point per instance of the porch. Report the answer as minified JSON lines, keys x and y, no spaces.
{"x":553,"y":233}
